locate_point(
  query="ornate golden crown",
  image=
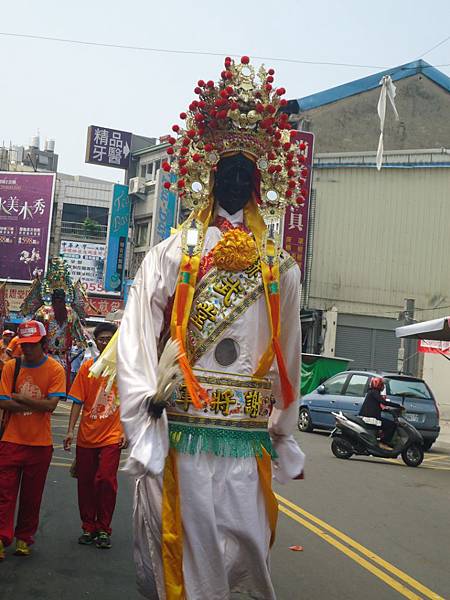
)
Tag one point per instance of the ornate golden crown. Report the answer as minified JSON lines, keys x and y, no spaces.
{"x":240,"y":113}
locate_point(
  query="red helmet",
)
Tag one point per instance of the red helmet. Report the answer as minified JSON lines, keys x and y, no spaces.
{"x":377,"y":383}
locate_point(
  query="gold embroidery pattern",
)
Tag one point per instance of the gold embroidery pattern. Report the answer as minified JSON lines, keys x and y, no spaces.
{"x":234,"y":400}
{"x":200,"y":340}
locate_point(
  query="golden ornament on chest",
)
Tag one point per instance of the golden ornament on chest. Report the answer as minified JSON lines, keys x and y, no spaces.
{"x":236,"y":251}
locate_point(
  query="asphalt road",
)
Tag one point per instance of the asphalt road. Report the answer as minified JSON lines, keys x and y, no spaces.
{"x":370,"y":529}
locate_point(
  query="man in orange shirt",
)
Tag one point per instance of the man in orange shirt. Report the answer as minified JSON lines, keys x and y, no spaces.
{"x":14,"y":350}
{"x":26,"y":446}
{"x":99,"y":442}
{"x":7,"y":336}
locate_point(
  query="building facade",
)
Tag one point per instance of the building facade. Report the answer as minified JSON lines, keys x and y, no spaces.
{"x":145,"y":188}
{"x":378,"y":237}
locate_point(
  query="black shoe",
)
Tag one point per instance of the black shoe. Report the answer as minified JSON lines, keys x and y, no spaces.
{"x":87,"y":538}
{"x":103,"y":541}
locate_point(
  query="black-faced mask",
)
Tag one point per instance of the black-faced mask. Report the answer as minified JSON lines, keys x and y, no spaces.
{"x":233,"y":184}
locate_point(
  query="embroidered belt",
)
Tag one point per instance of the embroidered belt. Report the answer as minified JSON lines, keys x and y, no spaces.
{"x":233,"y":423}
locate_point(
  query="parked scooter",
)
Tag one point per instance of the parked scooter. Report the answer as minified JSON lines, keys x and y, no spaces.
{"x":353,"y":436}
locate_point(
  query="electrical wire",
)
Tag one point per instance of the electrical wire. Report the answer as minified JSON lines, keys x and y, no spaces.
{"x":434,"y":47}
{"x":190,"y":52}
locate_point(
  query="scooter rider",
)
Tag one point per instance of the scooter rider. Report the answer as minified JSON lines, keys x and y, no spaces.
{"x":371,"y":411}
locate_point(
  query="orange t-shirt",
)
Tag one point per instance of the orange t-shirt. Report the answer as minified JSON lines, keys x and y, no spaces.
{"x":4,"y":357}
{"x":45,"y":380}
{"x":100,"y":419}
{"x":14,"y":347}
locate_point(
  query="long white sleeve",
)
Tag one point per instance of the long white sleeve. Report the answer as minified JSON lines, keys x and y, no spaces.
{"x":141,"y":326}
{"x":283,"y":421}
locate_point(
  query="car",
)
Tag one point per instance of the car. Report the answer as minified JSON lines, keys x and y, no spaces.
{"x":346,"y":392}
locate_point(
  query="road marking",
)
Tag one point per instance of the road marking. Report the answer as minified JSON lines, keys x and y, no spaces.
{"x":365,"y":551}
{"x":438,"y":457}
{"x":437,"y":468}
{"x":54,"y":464}
{"x":395,"y":461}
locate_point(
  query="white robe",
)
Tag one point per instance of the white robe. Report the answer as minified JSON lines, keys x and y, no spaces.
{"x":226,"y":532}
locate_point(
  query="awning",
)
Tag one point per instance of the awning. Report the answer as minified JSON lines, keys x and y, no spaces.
{"x":437,"y":329}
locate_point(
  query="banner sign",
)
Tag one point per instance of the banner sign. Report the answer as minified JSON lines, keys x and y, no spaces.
{"x":108,"y":147}
{"x":102,"y":306}
{"x":295,"y":237}
{"x":434,"y":346}
{"x":86,"y":261}
{"x":26,"y":203}
{"x":15,"y":295}
{"x":164,"y":209}
{"x":119,"y":221}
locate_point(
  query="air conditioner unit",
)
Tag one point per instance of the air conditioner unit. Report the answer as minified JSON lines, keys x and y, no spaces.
{"x":136,"y":185}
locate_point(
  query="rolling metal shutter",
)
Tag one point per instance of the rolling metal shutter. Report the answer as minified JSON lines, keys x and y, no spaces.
{"x":369,"y":341}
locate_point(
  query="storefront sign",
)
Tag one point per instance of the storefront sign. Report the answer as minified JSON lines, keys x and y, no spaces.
{"x":295,"y":237}
{"x":164,"y":209}
{"x":15,"y":295}
{"x":26,"y":202}
{"x":86,"y":261}
{"x":108,"y":147}
{"x":434,"y":346}
{"x":102,"y":306}
{"x":119,"y":221}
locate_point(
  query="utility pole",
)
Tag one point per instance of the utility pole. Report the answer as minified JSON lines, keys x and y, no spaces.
{"x":407,"y":360}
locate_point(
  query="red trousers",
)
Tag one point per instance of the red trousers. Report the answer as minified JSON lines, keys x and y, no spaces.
{"x":97,"y":486}
{"x":25,"y":468}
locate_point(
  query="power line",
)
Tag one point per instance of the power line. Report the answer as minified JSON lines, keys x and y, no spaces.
{"x":203,"y":53}
{"x":436,"y":46}
{"x":173,"y":51}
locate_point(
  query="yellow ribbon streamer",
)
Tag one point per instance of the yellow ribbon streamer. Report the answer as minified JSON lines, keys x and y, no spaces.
{"x":265,"y":478}
{"x":172,"y":532}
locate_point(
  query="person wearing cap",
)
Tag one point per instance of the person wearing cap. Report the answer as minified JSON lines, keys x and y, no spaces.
{"x":99,"y":443}
{"x":26,"y":446}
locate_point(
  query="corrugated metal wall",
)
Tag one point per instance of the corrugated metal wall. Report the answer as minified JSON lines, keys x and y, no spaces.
{"x":381,"y":237}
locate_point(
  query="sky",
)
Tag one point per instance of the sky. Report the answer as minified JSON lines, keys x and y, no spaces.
{"x":59,"y":89}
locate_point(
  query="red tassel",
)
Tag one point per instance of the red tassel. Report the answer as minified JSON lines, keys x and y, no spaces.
{"x":198,"y":395}
{"x":286,"y":387}
{"x":274,"y":301}
{"x":183,"y":289}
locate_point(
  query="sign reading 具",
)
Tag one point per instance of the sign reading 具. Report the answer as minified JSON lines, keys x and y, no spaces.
{"x":108,"y":147}
{"x":296,"y":221}
{"x":86,"y":261}
{"x":119,"y":221}
{"x":26,"y":203}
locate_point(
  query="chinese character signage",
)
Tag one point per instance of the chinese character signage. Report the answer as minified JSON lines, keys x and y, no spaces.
{"x":108,"y":147}
{"x":295,"y":236}
{"x":119,"y":220}
{"x":26,"y":202}
{"x":102,"y":306}
{"x":86,"y":261}
{"x":164,"y":209}
{"x":15,"y":295}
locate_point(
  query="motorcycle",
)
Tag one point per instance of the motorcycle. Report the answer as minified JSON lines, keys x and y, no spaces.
{"x":353,"y":436}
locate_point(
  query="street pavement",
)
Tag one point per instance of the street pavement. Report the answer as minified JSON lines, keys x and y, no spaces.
{"x":369,"y":529}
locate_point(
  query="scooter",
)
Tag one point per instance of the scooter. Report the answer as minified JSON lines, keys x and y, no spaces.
{"x":353,"y":436}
